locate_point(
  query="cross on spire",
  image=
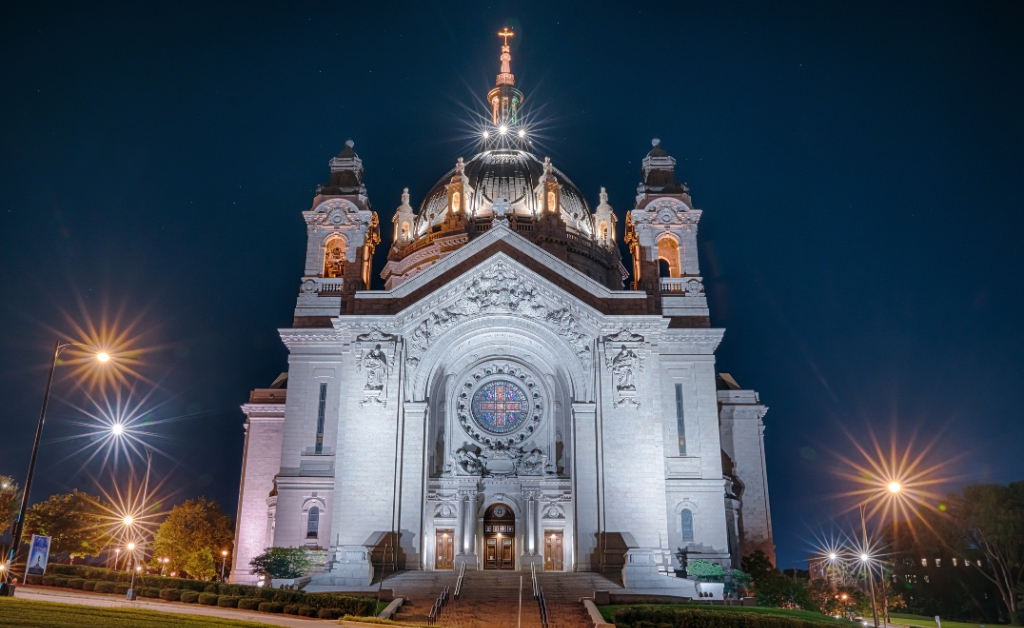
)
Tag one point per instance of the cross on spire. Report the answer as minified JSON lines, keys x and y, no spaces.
{"x":506,"y":34}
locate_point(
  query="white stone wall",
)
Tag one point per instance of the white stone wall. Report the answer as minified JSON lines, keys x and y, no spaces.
{"x":261,"y":461}
{"x":743,"y":441}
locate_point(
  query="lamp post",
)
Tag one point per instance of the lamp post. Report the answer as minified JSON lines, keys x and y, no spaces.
{"x":19,"y":524}
{"x":223,"y":560}
{"x":865,"y":559}
{"x":131,"y":586}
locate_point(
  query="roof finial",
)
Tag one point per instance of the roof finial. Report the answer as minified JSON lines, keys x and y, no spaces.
{"x":506,"y":78}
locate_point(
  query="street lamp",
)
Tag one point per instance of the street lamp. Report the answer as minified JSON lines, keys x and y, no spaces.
{"x":19,"y":523}
{"x":131,"y":587}
{"x":223,"y":561}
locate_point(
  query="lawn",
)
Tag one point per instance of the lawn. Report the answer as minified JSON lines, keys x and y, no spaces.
{"x":608,"y":612}
{"x":899,"y":619}
{"x":22,"y":613}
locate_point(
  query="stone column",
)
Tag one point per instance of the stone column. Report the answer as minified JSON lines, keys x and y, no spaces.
{"x":460,"y":518}
{"x":531,"y":525}
{"x":469,"y":523}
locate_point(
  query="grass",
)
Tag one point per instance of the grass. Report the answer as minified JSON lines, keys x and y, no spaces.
{"x":33,"y":614}
{"x":929,"y":622}
{"x":608,"y":612}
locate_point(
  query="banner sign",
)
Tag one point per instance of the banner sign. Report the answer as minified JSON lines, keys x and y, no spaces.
{"x":38,"y":555}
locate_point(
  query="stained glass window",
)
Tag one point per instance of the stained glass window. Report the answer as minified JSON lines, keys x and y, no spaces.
{"x":687,"y":524}
{"x":500,"y":406}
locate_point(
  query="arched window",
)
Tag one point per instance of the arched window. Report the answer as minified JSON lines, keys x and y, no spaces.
{"x":405,"y":231}
{"x":668,"y":250}
{"x":551,"y":201}
{"x":687,"y":524}
{"x":456,"y":202}
{"x":313,"y":523}
{"x":334,"y":258}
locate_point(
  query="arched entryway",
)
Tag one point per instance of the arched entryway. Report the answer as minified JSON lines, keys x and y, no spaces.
{"x":499,"y":538}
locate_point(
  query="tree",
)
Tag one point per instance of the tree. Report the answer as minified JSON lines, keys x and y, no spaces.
{"x":990,"y":518}
{"x":704,"y":571}
{"x":73,"y":521}
{"x":200,"y":565}
{"x":190,"y":529}
{"x":285,"y":562}
{"x":10,"y":502}
{"x":759,"y":566}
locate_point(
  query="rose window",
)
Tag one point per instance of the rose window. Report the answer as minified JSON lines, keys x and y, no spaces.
{"x":500,"y":406}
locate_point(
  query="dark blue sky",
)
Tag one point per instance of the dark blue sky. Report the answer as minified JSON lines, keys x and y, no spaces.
{"x":859,"y":167}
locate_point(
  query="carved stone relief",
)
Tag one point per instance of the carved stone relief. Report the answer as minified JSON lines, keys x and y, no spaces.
{"x":377,"y":363}
{"x":624,"y":365}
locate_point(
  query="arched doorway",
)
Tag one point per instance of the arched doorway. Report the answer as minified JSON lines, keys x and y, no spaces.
{"x":499,"y":538}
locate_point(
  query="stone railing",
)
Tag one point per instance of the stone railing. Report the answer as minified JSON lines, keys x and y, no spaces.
{"x":683,"y":286}
{"x":320,"y":285}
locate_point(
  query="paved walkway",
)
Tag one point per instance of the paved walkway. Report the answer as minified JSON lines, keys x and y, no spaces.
{"x":111,"y":601}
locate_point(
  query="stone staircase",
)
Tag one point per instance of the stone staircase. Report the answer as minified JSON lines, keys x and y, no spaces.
{"x":491,"y":598}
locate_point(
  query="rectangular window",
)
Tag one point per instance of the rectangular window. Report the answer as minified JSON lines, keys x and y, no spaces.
{"x":924,"y":562}
{"x":320,"y":419}
{"x":680,"y":425}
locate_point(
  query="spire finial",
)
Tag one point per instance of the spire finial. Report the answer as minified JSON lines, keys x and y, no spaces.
{"x":505,"y":77}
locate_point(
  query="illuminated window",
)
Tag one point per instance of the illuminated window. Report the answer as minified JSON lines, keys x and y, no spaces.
{"x":334,"y":258}
{"x":668,"y":250}
{"x":924,"y":562}
{"x":967,"y":562}
{"x":456,"y":202}
{"x":680,"y":425}
{"x":320,"y":419}
{"x":313,"y":523}
{"x":551,"y":201}
{"x":954,"y":562}
{"x":687,"y":524}
{"x":938,"y":562}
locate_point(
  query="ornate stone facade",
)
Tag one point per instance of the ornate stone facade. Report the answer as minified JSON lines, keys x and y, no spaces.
{"x":504,"y":401}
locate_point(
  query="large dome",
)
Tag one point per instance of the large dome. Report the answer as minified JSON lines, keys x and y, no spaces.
{"x":512,"y":175}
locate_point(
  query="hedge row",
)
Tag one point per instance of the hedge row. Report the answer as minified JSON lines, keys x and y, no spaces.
{"x":655,"y":617}
{"x":103,"y":580}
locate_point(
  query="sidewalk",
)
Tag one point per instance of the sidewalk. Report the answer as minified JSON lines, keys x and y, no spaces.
{"x":110,"y":601}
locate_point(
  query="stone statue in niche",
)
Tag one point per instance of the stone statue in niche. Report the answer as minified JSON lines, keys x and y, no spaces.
{"x":377,"y":367}
{"x":624,"y":367}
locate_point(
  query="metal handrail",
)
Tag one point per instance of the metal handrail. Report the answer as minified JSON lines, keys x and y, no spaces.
{"x":542,"y":603}
{"x":435,"y":610}
{"x":533,"y":575}
{"x":458,"y":583}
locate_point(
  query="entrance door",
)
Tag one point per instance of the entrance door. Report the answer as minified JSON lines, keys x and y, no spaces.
{"x":552,"y":550}
{"x":444,"y":548}
{"x":499,"y":538}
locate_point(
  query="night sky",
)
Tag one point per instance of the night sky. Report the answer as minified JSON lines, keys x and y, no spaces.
{"x":859,"y":167}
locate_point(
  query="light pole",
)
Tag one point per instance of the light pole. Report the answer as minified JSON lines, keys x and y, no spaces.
{"x":223,"y":560}
{"x":19,"y":523}
{"x":865,"y":559}
{"x":131,"y":587}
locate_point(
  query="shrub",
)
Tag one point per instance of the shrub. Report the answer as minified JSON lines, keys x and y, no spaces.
{"x":75,"y":583}
{"x":249,"y":603}
{"x":171,"y":595}
{"x":90,"y":585}
{"x":60,"y":581}
{"x":211,"y":587}
{"x":122,"y":587}
{"x":104,"y":587}
{"x":33,"y":579}
{"x":208,"y":599}
{"x":189,"y":597}
{"x":191,"y":585}
{"x":291,"y":609}
{"x":330,"y":613}
{"x":47,"y":581}
{"x":306,"y":611}
{"x":270,"y":607}
{"x":228,"y":601}
{"x":149,"y":592}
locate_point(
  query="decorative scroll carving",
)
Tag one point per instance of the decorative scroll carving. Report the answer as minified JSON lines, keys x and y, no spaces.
{"x":500,"y":290}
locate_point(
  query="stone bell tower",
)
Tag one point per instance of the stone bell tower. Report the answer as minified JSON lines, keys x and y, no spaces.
{"x":342,"y":232}
{"x":661,"y":231}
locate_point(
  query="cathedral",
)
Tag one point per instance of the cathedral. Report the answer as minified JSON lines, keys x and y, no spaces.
{"x":515,"y":398}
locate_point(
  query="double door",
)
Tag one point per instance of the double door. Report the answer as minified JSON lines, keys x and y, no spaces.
{"x":499,"y":552}
{"x":553,"y":557}
{"x":444,"y":548}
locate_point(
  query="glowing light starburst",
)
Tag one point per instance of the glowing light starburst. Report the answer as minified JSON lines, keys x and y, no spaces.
{"x":894,"y":482}
{"x":130,"y":515}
